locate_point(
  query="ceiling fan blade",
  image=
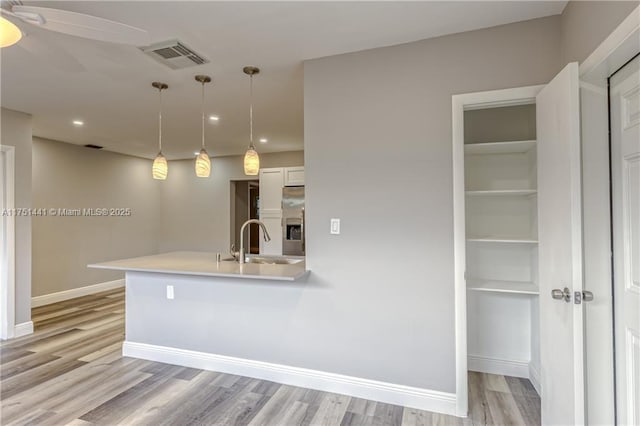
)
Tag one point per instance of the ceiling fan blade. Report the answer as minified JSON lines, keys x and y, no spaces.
{"x":82,"y":25}
{"x":32,"y":18}
{"x":51,"y":54}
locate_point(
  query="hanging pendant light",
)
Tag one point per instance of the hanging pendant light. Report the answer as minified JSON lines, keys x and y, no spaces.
{"x":251,"y":158}
{"x":203,"y":162}
{"x":160,"y":168}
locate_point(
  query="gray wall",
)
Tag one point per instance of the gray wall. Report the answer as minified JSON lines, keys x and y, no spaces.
{"x":71,"y":176}
{"x":378,"y":156}
{"x":585,"y":24}
{"x":16,"y":131}
{"x":517,"y":123}
{"x":196,"y":212}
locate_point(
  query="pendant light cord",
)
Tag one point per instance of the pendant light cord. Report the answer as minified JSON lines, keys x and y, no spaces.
{"x":203,"y":115}
{"x":160,"y":122}
{"x":251,"y":111}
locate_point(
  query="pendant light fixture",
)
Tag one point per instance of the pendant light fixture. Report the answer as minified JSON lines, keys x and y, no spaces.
{"x":160,"y":168}
{"x":251,"y":158}
{"x":203,"y":162}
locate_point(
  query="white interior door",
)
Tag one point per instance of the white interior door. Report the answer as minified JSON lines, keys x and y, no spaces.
{"x":625,"y":167}
{"x":560,"y":249}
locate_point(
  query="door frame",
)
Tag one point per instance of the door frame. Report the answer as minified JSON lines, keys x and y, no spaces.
{"x":620,"y":46}
{"x":460,"y":104}
{"x":252,"y":184}
{"x":232,"y":205}
{"x":7,"y":250}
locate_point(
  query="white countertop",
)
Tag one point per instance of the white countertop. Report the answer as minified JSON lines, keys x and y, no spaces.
{"x":204,"y":264}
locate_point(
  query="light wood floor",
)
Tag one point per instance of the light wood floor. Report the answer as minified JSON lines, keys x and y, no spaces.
{"x":70,"y":371}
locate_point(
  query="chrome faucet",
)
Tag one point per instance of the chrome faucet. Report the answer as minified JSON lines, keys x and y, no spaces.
{"x":241,"y":254}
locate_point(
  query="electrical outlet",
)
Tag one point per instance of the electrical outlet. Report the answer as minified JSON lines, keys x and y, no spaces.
{"x":335,"y":226}
{"x":170,"y":294}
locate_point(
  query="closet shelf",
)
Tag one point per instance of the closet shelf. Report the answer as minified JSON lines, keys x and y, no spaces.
{"x":502,"y":240}
{"x":497,"y":286}
{"x":502,"y":192}
{"x":509,"y":147}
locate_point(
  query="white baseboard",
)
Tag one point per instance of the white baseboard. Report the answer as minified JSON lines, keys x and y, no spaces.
{"x":534,"y":378}
{"x":75,"y":292}
{"x":23,"y":329}
{"x":423,"y":399}
{"x":498,"y":366}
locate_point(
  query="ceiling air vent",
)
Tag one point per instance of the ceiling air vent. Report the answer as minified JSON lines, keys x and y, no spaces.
{"x":174,"y":54}
{"x":90,"y":145}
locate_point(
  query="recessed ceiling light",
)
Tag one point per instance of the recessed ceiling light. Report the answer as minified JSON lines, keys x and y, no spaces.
{"x":78,"y":123}
{"x":196,"y":153}
{"x":264,"y":140}
{"x":214,"y":118}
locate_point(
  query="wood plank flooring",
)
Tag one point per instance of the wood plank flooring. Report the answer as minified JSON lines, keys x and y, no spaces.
{"x":71,"y":372}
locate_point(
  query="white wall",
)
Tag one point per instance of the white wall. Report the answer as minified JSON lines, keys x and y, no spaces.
{"x":196,"y":212}
{"x":16,"y":131}
{"x":378,"y":156}
{"x":71,"y":176}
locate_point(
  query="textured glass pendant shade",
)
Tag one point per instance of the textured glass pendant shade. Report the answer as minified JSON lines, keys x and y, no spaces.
{"x":160,"y":169}
{"x":9,"y":33}
{"x":203,"y":164}
{"x":251,"y":162}
{"x":251,"y":158}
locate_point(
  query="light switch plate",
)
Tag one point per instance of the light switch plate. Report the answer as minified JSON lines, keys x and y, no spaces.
{"x":335,"y":226}
{"x":170,"y":294}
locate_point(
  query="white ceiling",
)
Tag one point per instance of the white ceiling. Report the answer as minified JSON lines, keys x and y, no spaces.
{"x":114,"y":97}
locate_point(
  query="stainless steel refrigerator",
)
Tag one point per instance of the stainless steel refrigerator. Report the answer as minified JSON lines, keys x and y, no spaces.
{"x":293,"y":221}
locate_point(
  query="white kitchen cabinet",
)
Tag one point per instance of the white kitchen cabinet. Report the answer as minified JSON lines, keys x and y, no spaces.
{"x":294,"y":176}
{"x":271,"y":183}
{"x":272,"y":180}
{"x":501,"y":241}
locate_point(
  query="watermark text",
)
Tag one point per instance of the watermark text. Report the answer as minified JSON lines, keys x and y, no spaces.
{"x":65,"y":212}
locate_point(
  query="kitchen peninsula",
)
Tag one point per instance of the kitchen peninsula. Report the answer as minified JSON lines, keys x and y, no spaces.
{"x":204,"y":264}
{"x":185,"y":308}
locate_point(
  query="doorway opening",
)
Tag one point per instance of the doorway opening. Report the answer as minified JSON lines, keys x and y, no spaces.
{"x":245,"y":205}
{"x":495,"y":218}
{"x":503,"y":338}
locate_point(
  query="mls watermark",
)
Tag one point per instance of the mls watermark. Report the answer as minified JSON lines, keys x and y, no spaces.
{"x":65,"y":212}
